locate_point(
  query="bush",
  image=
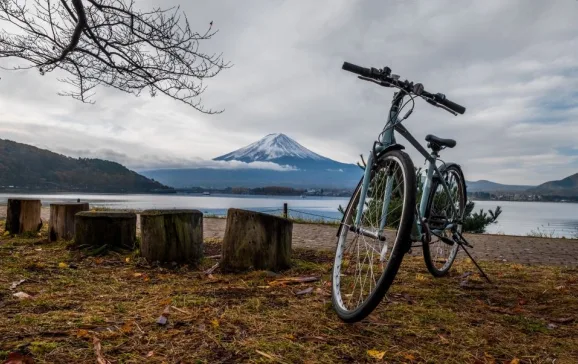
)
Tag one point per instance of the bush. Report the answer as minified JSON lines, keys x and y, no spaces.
{"x":474,"y":222}
{"x":479,"y":221}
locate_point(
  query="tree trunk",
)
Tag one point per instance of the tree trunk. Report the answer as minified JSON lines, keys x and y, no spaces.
{"x":255,"y":240}
{"x":23,"y":215}
{"x":61,"y":224}
{"x":97,"y":228}
{"x":172,"y":236}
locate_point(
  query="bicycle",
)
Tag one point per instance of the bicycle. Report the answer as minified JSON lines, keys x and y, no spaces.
{"x":383,"y":210}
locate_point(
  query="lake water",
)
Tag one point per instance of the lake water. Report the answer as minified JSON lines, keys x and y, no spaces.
{"x":517,"y":218}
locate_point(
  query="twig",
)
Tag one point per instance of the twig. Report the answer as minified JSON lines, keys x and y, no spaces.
{"x":181,"y":311}
{"x":212,"y":269}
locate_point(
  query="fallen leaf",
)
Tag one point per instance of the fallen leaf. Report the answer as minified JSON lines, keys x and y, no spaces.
{"x":6,"y":233}
{"x":409,"y":356}
{"x":99,"y":260}
{"x":98,"y":351}
{"x":166,"y":302}
{"x":17,"y":283}
{"x":408,"y":299}
{"x":18,"y":358}
{"x":127,"y":259}
{"x":560,"y":287}
{"x":304,"y":292}
{"x":137,"y":275}
{"x":465,"y":275}
{"x":126,"y":328}
{"x":376,"y":354}
{"x":82,"y":333}
{"x":552,"y":326}
{"x":21,"y":295}
{"x":563,"y":320}
{"x":164,"y":317}
{"x":215,"y":323}
{"x":515,"y":361}
{"x":293,"y":280}
{"x":150,"y":353}
{"x":420,"y":277}
{"x":62,"y":265}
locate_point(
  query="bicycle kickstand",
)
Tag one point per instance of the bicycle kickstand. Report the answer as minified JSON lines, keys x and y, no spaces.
{"x":463,"y":243}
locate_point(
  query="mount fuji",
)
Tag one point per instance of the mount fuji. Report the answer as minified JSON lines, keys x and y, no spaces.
{"x":274,"y":160}
{"x":280,"y":149}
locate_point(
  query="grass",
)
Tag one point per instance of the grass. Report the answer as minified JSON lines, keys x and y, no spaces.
{"x":542,"y":233}
{"x":529,"y":314}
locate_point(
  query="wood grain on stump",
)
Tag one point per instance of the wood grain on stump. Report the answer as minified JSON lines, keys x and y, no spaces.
{"x":112,"y":228}
{"x":172,"y":236}
{"x":23,"y":215}
{"x":255,"y":240}
{"x":61,"y":223}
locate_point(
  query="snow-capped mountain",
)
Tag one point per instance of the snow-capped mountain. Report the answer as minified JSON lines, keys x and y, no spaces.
{"x":271,"y":148}
{"x":308,"y":169}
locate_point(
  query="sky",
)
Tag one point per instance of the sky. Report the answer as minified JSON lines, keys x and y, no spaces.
{"x":513,"y":65}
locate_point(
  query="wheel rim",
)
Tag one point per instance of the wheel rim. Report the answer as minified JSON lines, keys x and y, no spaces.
{"x":441,"y":254}
{"x":360,"y":261}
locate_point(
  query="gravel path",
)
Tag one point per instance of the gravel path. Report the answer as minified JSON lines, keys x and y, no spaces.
{"x":517,"y":249}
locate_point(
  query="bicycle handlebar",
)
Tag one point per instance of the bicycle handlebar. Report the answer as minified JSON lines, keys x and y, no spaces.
{"x":385,"y":78}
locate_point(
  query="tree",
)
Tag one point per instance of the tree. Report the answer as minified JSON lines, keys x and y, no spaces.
{"x":110,"y":43}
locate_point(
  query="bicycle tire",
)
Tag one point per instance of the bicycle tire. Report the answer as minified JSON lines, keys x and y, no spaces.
{"x":427,"y":251}
{"x":401,"y":244}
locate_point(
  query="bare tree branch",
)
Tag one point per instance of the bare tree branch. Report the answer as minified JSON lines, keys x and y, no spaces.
{"x":108,"y":42}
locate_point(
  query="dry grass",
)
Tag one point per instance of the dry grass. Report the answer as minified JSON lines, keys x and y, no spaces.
{"x":530,"y":313}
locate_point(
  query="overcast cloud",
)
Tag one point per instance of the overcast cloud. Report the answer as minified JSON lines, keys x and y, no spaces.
{"x":513,"y":64}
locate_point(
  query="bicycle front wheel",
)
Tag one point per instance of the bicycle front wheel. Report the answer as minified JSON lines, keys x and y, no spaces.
{"x":439,"y":255}
{"x":368,"y":256}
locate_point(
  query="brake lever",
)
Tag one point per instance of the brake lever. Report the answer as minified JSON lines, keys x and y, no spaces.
{"x":380,"y":83}
{"x":430,"y":101}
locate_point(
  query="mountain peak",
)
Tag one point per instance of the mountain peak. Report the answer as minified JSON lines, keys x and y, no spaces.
{"x":272,"y":147}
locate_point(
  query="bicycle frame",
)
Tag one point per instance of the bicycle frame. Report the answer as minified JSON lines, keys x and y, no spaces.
{"x":387,"y":141}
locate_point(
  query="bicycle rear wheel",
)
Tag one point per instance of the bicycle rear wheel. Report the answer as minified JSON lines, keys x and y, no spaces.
{"x":439,"y":255}
{"x":368,"y":258}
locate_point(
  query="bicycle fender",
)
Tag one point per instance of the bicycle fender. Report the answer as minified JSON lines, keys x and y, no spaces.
{"x":387,"y":149}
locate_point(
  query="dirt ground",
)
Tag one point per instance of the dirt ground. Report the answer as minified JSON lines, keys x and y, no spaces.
{"x":505,"y":248}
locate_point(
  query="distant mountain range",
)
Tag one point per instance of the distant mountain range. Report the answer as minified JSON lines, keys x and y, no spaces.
{"x":489,"y":186}
{"x":26,"y":168}
{"x":565,"y":187}
{"x":302,"y":168}
{"x":306,"y":169}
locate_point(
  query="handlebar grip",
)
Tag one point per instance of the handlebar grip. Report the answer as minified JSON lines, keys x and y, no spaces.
{"x":362,"y":71}
{"x":453,"y":106}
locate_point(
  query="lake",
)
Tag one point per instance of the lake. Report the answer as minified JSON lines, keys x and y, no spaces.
{"x":517,"y":218}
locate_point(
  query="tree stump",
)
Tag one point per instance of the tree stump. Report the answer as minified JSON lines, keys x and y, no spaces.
{"x":172,"y":236}
{"x":61,"y":224}
{"x":255,"y":240}
{"x":23,"y":215}
{"x":97,"y":228}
